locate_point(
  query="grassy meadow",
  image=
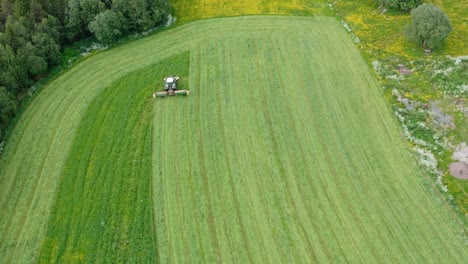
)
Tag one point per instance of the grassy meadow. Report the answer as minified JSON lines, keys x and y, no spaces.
{"x":192,"y":10}
{"x":382,"y":41}
{"x":382,"y":34}
{"x":285,"y":151}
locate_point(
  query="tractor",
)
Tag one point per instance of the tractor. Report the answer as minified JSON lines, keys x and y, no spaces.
{"x":170,"y":88}
{"x":170,"y":83}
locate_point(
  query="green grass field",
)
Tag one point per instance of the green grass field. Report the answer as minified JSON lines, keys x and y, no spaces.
{"x":192,"y":10}
{"x":283,"y":152}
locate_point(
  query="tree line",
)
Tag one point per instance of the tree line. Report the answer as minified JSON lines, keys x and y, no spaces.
{"x":34,"y":32}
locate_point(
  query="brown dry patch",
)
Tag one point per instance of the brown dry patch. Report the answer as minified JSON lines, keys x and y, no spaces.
{"x":459,"y":169}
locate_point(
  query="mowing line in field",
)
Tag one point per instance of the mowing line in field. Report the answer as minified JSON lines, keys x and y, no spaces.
{"x":266,"y":179}
{"x":294,"y":86}
{"x":335,"y":121}
{"x":194,"y":75}
{"x":119,"y":200}
{"x":222,"y":199}
{"x":246,"y":127}
{"x":232,"y":113}
{"x":241,"y":128}
{"x":333,"y":162}
{"x":302,"y":198}
{"x":224,"y":79}
{"x":291,"y":84}
{"x":202,"y":106}
{"x":282,"y":152}
{"x":265,"y":95}
{"x":334,"y":130}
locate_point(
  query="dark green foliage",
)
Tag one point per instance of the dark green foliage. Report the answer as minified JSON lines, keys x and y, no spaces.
{"x":159,"y":10}
{"x":32,"y":63}
{"x":429,"y":26}
{"x":21,"y":7}
{"x":46,"y":39}
{"x":404,"y":5}
{"x":79,"y":14}
{"x":106,"y":26}
{"x":16,"y":32}
{"x":56,"y":8}
{"x":133,"y":14}
{"x":7,"y":63}
{"x":36,"y":11}
{"x":28,"y":50}
{"x":139,"y":15}
{"x":8,"y":107}
{"x":6,"y":9}
{"x":33,"y":31}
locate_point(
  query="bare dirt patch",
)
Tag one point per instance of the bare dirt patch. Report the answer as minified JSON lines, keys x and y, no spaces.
{"x":459,"y":170}
{"x":440,"y":118}
{"x":403,"y":70}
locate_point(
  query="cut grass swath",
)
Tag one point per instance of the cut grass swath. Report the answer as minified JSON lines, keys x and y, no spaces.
{"x":103,"y":210}
{"x":286,"y":153}
{"x":283,"y":152}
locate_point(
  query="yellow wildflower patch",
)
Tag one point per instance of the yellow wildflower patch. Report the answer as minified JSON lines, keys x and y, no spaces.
{"x":457,"y":11}
{"x":384,"y":30}
{"x":190,"y":10}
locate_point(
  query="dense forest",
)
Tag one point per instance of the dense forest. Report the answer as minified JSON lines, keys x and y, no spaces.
{"x":34,"y":32}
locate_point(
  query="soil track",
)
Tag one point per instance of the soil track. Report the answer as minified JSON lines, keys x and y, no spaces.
{"x":459,"y":169}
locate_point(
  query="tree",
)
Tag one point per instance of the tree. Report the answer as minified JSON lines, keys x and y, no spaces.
{"x":51,"y":26}
{"x":8,"y":69}
{"x":159,"y":10}
{"x":404,"y":5}
{"x":79,"y":14}
{"x":106,"y":26}
{"x":21,"y":7}
{"x":6,"y":10}
{"x":133,"y":14}
{"x":36,"y":11}
{"x":16,"y":32}
{"x":429,"y":26}
{"x":31,"y":32}
{"x":46,"y":39}
{"x":31,"y":62}
{"x":56,"y":8}
{"x":8,"y":107}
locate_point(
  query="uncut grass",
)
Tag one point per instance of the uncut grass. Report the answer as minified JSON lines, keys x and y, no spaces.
{"x":103,"y":209}
{"x":384,"y":33}
{"x":190,"y":10}
{"x":285,"y":152}
{"x":35,"y":155}
{"x":375,"y":200}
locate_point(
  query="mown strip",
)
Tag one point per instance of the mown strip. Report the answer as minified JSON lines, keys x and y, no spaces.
{"x":288,"y":154}
{"x":103,"y":208}
{"x":301,"y":160}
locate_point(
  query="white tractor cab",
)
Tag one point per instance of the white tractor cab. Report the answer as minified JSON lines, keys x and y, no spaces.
{"x":171,"y":88}
{"x":170,"y":83}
